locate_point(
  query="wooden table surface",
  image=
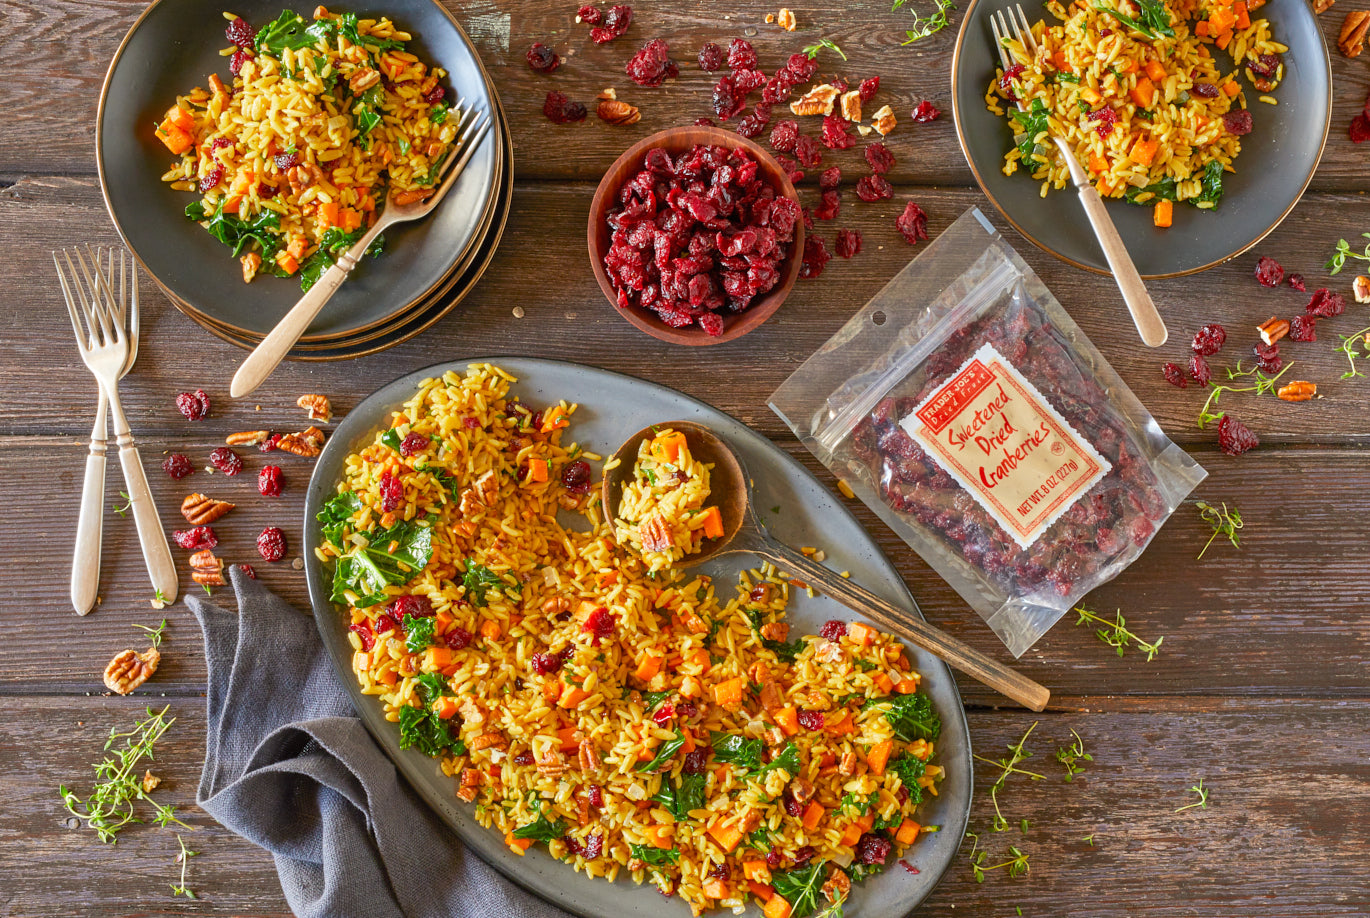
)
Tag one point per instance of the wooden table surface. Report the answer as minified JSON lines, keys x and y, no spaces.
{"x":1262,"y":686}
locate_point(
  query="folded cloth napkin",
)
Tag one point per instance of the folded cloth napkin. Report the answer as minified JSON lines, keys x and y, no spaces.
{"x":289,"y":766}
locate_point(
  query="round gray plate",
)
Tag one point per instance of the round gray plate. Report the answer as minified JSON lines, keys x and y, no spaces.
{"x":612,"y":407}
{"x":173,"y":47}
{"x":1276,"y":163}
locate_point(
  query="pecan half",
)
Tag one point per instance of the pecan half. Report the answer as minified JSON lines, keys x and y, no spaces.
{"x":1351,"y":41}
{"x":1298,"y":391}
{"x":589,"y":756}
{"x":200,"y":510}
{"x":786,"y":19}
{"x":851,"y":105}
{"x":1360,"y":288}
{"x":618,"y":113}
{"x":1273,"y":329}
{"x":883,"y":121}
{"x":307,"y":443}
{"x":247,"y":438}
{"x":317,"y":406}
{"x":130,"y":669}
{"x":817,"y":101}
{"x":363,"y":80}
{"x":206,"y":569}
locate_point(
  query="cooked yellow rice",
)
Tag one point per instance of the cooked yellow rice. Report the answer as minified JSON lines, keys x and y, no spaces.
{"x":1092,"y":61}
{"x":532,"y":744}
{"x":661,"y":515}
{"x":315,"y":102}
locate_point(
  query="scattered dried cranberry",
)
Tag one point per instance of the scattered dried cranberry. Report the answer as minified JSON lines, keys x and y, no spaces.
{"x":728,"y":99}
{"x":177,"y":466}
{"x":1325,"y":304}
{"x":1296,"y":281}
{"x":226,"y":461}
{"x":212,"y":178}
{"x":562,"y":110}
{"x":1206,"y":90}
{"x":909,"y":867}
{"x":240,"y":32}
{"x":912,"y":223}
{"x":848,"y":243}
{"x":829,"y":204}
{"x":808,"y":152}
{"x":873,"y":848}
{"x":741,"y":55}
{"x":590,"y":15}
{"x":837,"y":133}
{"x":872,"y":188}
{"x":287,"y":161}
{"x":695,"y":761}
{"x":591,"y":848}
{"x":830,"y":178}
{"x":1200,"y":370}
{"x":705,"y":122}
{"x":247,"y":569}
{"x":576,"y":477}
{"x":711,"y":57}
{"x":361,"y":629}
{"x":615,"y":23}
{"x":1011,"y":73}
{"x":880,"y":158}
{"x":1238,"y":123}
{"x":1359,"y":131}
{"x":271,"y":544}
{"x":599,"y":623}
{"x":414,"y":605}
{"x":524,"y":758}
{"x":435,"y":95}
{"x":784,"y":136}
{"x":652,"y":65}
{"x":235,"y":63}
{"x":196,"y":539}
{"x":926,"y":112}
{"x":719,"y":872}
{"x":1106,"y":118}
{"x":544,"y":663}
{"x":663,"y":714}
{"x":458,"y":638}
{"x":793,"y":807}
{"x":1268,"y":358}
{"x":1174,"y":375}
{"x":595,"y":794}
{"x":1269,"y":272}
{"x":801,"y":68}
{"x":811,"y":720}
{"x":868,"y":88}
{"x":392,"y":492}
{"x":414,"y":444}
{"x":542,"y":58}
{"x":386,"y":624}
{"x":270,"y":443}
{"x":1303,"y":328}
{"x":195,"y":406}
{"x":804,"y":855}
{"x":755,"y":121}
{"x":815,"y":257}
{"x":1209,"y":340}
{"x":833,"y":629}
{"x":1234,"y":438}
{"x":270,"y":480}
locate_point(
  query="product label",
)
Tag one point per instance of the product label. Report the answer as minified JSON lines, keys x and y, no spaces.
{"x":991,"y":430}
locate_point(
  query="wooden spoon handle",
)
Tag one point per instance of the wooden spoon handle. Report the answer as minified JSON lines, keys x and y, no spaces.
{"x":957,"y":654}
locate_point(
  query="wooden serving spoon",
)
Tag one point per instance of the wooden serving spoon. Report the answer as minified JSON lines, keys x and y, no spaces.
{"x":743,"y":532}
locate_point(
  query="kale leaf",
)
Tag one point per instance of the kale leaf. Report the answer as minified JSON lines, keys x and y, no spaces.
{"x":422,"y":729}
{"x":651,"y":699}
{"x":541,"y":829}
{"x":788,"y":760}
{"x":680,"y":800}
{"x":911,"y":716}
{"x":1031,"y":123}
{"x":418,"y":632}
{"x":735,"y":749}
{"x":336,"y":515}
{"x":800,"y":887}
{"x":1164,"y":189}
{"x":333,"y":244}
{"x":347,"y":26}
{"x":909,"y":768}
{"x":391,"y":438}
{"x":664,"y":754}
{"x":368,"y":570}
{"x":236,"y":233}
{"x":289,"y":30}
{"x":479,"y":580}
{"x":655,"y":857}
{"x":1154,"y":22}
{"x":1211,"y":184}
{"x":431,"y":685}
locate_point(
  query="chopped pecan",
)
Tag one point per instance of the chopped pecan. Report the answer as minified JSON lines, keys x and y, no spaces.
{"x":851,"y":105}
{"x":838,"y":885}
{"x":771,"y":698}
{"x":1351,"y":41}
{"x":247,"y":438}
{"x":847,"y":766}
{"x":1319,"y":6}
{"x":786,"y":19}
{"x":1360,"y":288}
{"x":775,"y":631}
{"x":883,"y":120}
{"x":131,"y":669}
{"x":150,"y":781}
{"x":317,"y":406}
{"x":200,"y":510}
{"x":307,"y":443}
{"x":608,"y":94}
{"x":618,"y":113}
{"x":656,"y":536}
{"x":1272,"y":330}
{"x":1253,"y":5}
{"x":490,"y":740}
{"x":1298,"y":391}
{"x":802,"y":790}
{"x":364,"y":79}
{"x":553,"y":765}
{"x":207,"y":569}
{"x":251,"y":262}
{"x":556,"y":604}
{"x":817,"y":101}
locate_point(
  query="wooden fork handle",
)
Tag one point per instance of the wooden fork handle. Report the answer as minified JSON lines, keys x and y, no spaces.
{"x":955,"y":653}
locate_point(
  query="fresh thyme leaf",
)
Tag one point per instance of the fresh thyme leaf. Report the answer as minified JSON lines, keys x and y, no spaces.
{"x":183,"y":857}
{"x":924,"y":26}
{"x":1350,"y":347}
{"x":1264,"y":385}
{"x":1343,"y":252}
{"x":155,"y":634}
{"x":800,"y":887}
{"x":1116,"y":635}
{"x":1071,"y":756}
{"x":1224,"y":522}
{"x":812,"y":50}
{"x":1202,"y":802}
{"x":1089,"y":839}
{"x":128,"y":502}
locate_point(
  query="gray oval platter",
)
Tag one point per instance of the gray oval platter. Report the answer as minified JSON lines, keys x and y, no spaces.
{"x":612,"y":407}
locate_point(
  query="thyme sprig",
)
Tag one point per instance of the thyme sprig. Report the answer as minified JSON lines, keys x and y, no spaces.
{"x":1351,"y":348}
{"x":1265,"y":384}
{"x":1116,"y":634}
{"x":1338,"y":259}
{"x":1017,"y":753}
{"x":110,"y":805}
{"x":1201,"y":802}
{"x":1071,"y":756}
{"x":182,"y":858}
{"x":924,"y":26}
{"x":1017,"y":865}
{"x":123,"y":511}
{"x":154,"y":634}
{"x":813,"y":49}
{"x":1224,"y":522}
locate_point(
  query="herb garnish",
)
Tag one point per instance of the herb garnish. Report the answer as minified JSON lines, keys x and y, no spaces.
{"x":1017,"y":865}
{"x":1224,"y":522}
{"x":1338,"y":259}
{"x":812,"y":50}
{"x":1017,"y":753}
{"x":182,"y":858}
{"x":154,"y":634}
{"x":1264,"y":385}
{"x":1070,"y":756}
{"x":1154,"y":22}
{"x":1116,"y":635}
{"x":924,"y":26}
{"x":1203,"y":797}
{"x":128,"y":502}
{"x":800,"y":887}
{"x":1350,"y":346}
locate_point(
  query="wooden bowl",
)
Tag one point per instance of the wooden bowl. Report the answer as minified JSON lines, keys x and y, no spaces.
{"x":676,"y":141}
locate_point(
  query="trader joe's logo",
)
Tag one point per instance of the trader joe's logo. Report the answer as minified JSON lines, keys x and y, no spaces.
{"x":991,"y":430}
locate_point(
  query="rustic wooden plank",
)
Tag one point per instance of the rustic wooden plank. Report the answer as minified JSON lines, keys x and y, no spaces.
{"x":56,"y":137}
{"x":572,"y":320}
{"x":1276,"y":790}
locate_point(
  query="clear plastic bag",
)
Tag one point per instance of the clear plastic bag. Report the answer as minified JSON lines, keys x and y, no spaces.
{"x":966,"y":408}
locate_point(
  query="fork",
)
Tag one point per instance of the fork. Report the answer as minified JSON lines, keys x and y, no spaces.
{"x":105,"y":348}
{"x":399,"y":208}
{"x":85,"y":568}
{"x":1144,"y":315}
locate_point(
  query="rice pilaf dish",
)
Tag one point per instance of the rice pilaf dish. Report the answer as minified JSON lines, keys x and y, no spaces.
{"x":634,"y":722}
{"x":662,"y":514}
{"x":322,"y":119}
{"x":1134,"y":88}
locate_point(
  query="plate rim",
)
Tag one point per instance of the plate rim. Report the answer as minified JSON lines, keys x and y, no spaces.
{"x":1105,"y":271}
{"x":313,"y":569}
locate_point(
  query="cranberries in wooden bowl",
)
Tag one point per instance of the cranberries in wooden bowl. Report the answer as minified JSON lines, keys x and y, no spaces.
{"x":694,"y":235}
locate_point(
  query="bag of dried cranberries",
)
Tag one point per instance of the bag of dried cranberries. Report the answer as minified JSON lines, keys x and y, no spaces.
{"x":968,"y":410}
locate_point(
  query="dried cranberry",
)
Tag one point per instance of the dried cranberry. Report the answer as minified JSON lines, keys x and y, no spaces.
{"x":793,"y":807}
{"x":872,"y":188}
{"x":212,"y":178}
{"x":808,"y":152}
{"x":868,"y":88}
{"x":386,"y":624}
{"x":815,"y":257}
{"x":201,"y":537}
{"x":195,"y":406}
{"x":1237,"y":123}
{"x":392,"y":492}
{"x":801,"y":68}
{"x":873,"y":848}
{"x":804,"y":855}
{"x":774,"y":858}
{"x":270,"y":480}
{"x":1200,"y":370}
{"x":837,"y":133}
{"x":413,"y":605}
{"x":592,"y":847}
{"x":652,"y":65}
{"x":727,"y":98}
{"x":848,"y":243}
{"x":235,"y":63}
{"x":1303,"y":328}
{"x":741,"y":55}
{"x":1106,"y":118}
{"x":755,"y":121}
{"x":247,"y":569}
{"x":458,"y":638}
{"x":1269,"y":272}
{"x":1234,"y":438}
{"x":829,"y":204}
{"x":663,"y":714}
{"x":695,"y":761}
{"x":595,"y":794}
{"x":1325,"y":304}
{"x":1209,"y":340}
{"x":576,"y":477}
{"x":1296,"y":281}
{"x":562,"y":110}
{"x":590,"y":15}
{"x":880,"y":158}
{"x":240,"y":32}
{"x":926,"y":112}
{"x":1268,"y":358}
{"x":599,"y":623}
{"x":271,"y":544}
{"x":833,"y":629}
{"x":784,"y":136}
{"x":811,"y":720}
{"x":226,"y":461}
{"x":912,"y":223}
{"x":909,"y":867}
{"x":1264,"y":66}
{"x":711,"y":57}
{"x":830,"y":178}
{"x":542,"y":58}
{"x":719,"y":872}
{"x":177,"y":466}
{"x":705,"y":122}
{"x":1011,"y":73}
{"x":1174,"y":375}
{"x":1206,"y":90}
{"x":287,"y":161}
{"x":544,"y":663}
{"x":615,"y":23}
{"x":1359,"y":130}
{"x":361,"y":629}
{"x":524,"y":758}
{"x":748,"y":80}
{"x":414,"y":444}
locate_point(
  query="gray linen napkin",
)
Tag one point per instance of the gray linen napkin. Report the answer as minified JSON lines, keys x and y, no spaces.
{"x":289,"y":766}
